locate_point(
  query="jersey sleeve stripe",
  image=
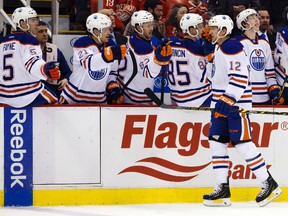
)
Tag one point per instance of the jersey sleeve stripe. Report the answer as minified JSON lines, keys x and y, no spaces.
{"x":48,"y":96}
{"x":14,"y":90}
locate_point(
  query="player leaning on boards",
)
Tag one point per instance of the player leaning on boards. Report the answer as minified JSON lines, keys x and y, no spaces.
{"x":93,"y":59}
{"x":265,"y":89}
{"x":231,"y":90}
{"x":148,"y":62}
{"x":187,"y":69}
{"x":21,"y":64}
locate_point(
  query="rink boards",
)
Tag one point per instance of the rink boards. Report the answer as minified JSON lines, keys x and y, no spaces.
{"x":120,"y":155}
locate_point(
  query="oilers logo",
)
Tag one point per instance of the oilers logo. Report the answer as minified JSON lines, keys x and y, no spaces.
{"x":99,"y":74}
{"x":158,"y":82}
{"x":257,"y":60}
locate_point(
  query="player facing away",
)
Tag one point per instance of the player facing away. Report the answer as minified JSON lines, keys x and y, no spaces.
{"x":262,"y":72}
{"x":187,"y":69}
{"x":231,"y":91}
{"x":281,"y":60}
{"x":21,"y":64}
{"x":148,"y":61}
{"x":93,"y":59}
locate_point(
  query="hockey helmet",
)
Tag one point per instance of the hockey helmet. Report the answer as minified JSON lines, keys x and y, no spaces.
{"x":23,"y":13}
{"x":140,"y":17}
{"x":98,"y":21}
{"x":188,"y":20}
{"x":222,"y":21}
{"x":242,"y":17}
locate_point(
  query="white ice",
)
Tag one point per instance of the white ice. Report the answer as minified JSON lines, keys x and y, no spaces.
{"x":237,"y":209}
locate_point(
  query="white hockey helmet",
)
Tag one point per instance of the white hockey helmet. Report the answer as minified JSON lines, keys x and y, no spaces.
{"x":98,"y":21}
{"x":188,"y":20}
{"x":140,"y":17}
{"x":222,"y":21}
{"x":23,"y":13}
{"x":242,"y":17}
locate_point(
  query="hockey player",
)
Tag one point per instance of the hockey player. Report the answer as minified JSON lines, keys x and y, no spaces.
{"x":187,"y":69}
{"x":281,"y":59}
{"x":93,"y":60}
{"x":262,"y":72}
{"x":231,"y":91}
{"x":148,"y":62}
{"x":22,"y":67}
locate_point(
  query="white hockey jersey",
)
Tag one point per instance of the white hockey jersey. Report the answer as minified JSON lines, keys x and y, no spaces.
{"x":281,"y":51}
{"x":90,"y":76}
{"x":145,"y":67}
{"x":262,"y":71}
{"x":187,"y":73}
{"x":20,"y":66}
{"x":229,"y":74}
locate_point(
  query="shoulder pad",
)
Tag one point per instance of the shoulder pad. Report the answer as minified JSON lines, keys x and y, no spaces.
{"x":239,"y":37}
{"x":139,"y":45}
{"x":231,"y":46}
{"x":284,"y":33}
{"x":188,"y":44}
{"x":83,"y":42}
{"x":195,"y":47}
{"x":23,"y":37}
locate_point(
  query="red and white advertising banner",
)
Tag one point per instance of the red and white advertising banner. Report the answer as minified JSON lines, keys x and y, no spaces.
{"x":154,"y":147}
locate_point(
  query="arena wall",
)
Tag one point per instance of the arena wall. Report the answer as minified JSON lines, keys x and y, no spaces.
{"x":80,"y":155}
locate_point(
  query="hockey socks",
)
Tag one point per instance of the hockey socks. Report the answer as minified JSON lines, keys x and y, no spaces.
{"x":220,"y":161}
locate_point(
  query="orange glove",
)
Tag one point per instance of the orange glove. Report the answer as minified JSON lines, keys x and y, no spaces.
{"x":206,"y":34}
{"x":114,"y":93}
{"x":223,"y":106}
{"x":51,"y":70}
{"x":163,"y":52}
{"x":276,"y":95}
{"x":112,"y":53}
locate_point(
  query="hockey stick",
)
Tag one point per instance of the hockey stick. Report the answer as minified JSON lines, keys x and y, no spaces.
{"x":157,"y":101}
{"x":134,"y":73}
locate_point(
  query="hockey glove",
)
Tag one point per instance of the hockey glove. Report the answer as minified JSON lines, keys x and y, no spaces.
{"x":51,"y":70}
{"x":274,"y":92}
{"x":112,"y":53}
{"x":114,"y":93}
{"x":163,"y":52}
{"x":224,"y":106}
{"x":206,"y":34}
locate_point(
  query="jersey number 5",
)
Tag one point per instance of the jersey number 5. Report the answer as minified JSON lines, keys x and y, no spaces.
{"x":8,"y":67}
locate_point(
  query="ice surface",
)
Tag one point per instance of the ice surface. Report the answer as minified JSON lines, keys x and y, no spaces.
{"x":237,"y":209}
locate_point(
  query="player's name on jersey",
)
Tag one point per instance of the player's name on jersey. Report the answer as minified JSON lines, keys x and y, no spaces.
{"x":9,"y":46}
{"x":178,"y":53}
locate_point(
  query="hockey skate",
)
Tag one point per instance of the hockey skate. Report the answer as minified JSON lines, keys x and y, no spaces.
{"x":219,"y":197}
{"x":270,"y":191}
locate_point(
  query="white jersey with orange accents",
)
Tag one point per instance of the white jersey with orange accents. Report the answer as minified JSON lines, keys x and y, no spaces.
{"x":145,"y":67}
{"x":281,"y":51}
{"x":90,"y":76}
{"x":187,"y":73}
{"x":20,"y":66}
{"x":262,"y":71}
{"x":229,"y":74}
